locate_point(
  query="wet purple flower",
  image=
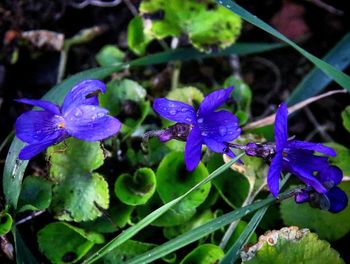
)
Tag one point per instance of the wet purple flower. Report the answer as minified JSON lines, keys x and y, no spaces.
{"x":209,"y":127}
{"x":334,"y":200}
{"x":79,"y":117}
{"x":296,"y":157}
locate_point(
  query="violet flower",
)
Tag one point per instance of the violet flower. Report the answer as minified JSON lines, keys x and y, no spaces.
{"x":79,"y":117}
{"x":209,"y":127}
{"x":334,"y":200}
{"x":296,"y":157}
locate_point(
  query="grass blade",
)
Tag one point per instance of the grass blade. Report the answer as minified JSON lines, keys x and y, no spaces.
{"x":341,"y":78}
{"x":23,"y":254}
{"x":316,"y":81}
{"x":131,"y":231}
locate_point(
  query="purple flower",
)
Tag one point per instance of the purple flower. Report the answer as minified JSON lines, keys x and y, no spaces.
{"x":79,"y":117}
{"x":296,"y":157}
{"x":209,"y":127}
{"x":334,"y":200}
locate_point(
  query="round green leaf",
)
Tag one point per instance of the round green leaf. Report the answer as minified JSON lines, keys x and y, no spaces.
{"x":35,"y":194}
{"x":327,"y":225}
{"x":342,"y":158}
{"x":232,"y":186}
{"x":203,"y":254}
{"x":126,"y":251}
{"x":80,"y":197}
{"x":136,"y":189}
{"x":110,"y":55}
{"x":290,"y":245}
{"x":64,"y":243}
{"x":74,"y":156}
{"x":346,"y":118}
{"x":119,"y":92}
{"x":174,"y":180}
{"x":6,"y":222}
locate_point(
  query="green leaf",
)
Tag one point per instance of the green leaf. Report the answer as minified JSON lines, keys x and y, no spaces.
{"x":6,"y":222}
{"x":342,"y":158}
{"x":137,"y":40}
{"x":346,"y":118}
{"x":136,"y":189}
{"x":79,"y":194}
{"x":67,"y":160}
{"x":327,"y":225}
{"x":130,"y":232}
{"x":206,"y":253}
{"x":341,"y":78}
{"x":125,"y":252}
{"x":232,"y":186}
{"x":172,"y":175}
{"x":80,"y":198}
{"x":207,"y":28}
{"x":64,"y":243}
{"x":110,"y":55}
{"x":316,"y":81}
{"x":36,"y":194}
{"x":119,"y":92}
{"x":290,"y":245}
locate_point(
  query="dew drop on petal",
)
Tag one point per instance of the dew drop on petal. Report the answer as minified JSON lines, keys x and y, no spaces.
{"x":188,"y":119}
{"x":200,"y":120}
{"x":78,"y":112}
{"x":172,"y":112}
{"x":222,"y":130}
{"x":204,"y":134}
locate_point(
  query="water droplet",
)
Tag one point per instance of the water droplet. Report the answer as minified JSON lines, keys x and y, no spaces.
{"x":188,"y":119}
{"x":204,"y":134}
{"x":222,"y":130}
{"x":172,"y":112}
{"x":78,"y":113}
{"x":100,"y":114}
{"x":200,"y":120}
{"x":184,"y":109}
{"x":171,"y":105}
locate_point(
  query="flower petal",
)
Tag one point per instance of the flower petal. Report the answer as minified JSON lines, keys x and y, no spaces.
{"x":214,"y":145}
{"x":273,"y":176}
{"x":175,"y":110}
{"x":318,"y":147}
{"x":32,"y":150}
{"x":213,"y":100}
{"x":37,"y":126}
{"x":193,"y":149}
{"x":221,"y":126}
{"x":48,"y":106}
{"x":332,"y":175}
{"x":281,"y":127}
{"x":91,"y":123}
{"x":338,"y":199}
{"x":85,"y":92}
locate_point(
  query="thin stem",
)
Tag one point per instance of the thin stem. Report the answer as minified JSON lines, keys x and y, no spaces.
{"x":30,"y":217}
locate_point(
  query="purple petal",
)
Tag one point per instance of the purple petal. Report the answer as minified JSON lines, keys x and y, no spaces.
{"x":332,"y":175}
{"x":175,"y":111}
{"x":337,"y":198}
{"x":48,"y":106}
{"x":214,"y":145}
{"x":37,"y":126}
{"x":85,"y":92}
{"x":32,"y":150}
{"x":193,"y":149}
{"x":273,"y":176}
{"x":302,"y":197}
{"x":221,"y":126}
{"x":281,"y":127}
{"x":213,"y":100}
{"x":91,"y":123}
{"x":318,"y":147}
{"x":309,"y":179}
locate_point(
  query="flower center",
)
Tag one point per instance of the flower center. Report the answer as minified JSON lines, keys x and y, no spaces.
{"x":61,"y":125}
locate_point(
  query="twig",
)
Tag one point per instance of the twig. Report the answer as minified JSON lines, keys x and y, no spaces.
{"x":131,"y":7}
{"x":327,"y":7}
{"x":321,"y":129}
{"x":94,"y":3}
{"x":30,"y":217}
{"x":271,"y":118}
